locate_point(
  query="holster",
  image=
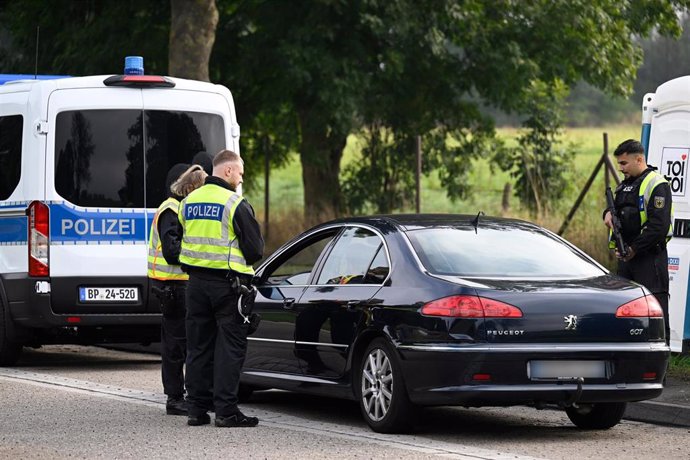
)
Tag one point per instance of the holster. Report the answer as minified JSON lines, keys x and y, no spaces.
{"x":171,"y":305}
{"x":245,"y":304}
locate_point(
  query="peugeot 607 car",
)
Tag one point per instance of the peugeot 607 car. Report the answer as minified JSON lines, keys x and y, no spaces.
{"x":403,"y":311}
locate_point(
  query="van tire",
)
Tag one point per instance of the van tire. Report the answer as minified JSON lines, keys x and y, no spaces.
{"x":9,"y":350}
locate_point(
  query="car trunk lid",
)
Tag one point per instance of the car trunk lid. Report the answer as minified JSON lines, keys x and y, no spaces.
{"x":567,"y":311}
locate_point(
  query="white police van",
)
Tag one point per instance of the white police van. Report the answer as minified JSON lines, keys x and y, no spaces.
{"x":666,"y":137}
{"x":83,"y":163}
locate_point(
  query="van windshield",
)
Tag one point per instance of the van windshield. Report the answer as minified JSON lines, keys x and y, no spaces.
{"x":120,"y":158}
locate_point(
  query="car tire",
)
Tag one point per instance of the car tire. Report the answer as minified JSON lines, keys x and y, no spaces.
{"x":599,"y":416}
{"x":383,"y":397}
{"x":9,"y":350}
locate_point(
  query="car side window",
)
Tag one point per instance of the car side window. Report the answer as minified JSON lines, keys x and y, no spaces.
{"x":351,"y":257}
{"x":379,"y":268}
{"x":297,"y":269}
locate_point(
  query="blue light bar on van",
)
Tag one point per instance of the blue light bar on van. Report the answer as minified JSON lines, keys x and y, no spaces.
{"x":139,"y":81}
{"x":134,"y":65}
{"x":6,"y":78}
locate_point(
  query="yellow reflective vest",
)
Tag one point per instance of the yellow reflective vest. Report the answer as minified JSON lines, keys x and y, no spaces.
{"x":158,"y":267}
{"x":647,"y":186}
{"x":209,"y":239}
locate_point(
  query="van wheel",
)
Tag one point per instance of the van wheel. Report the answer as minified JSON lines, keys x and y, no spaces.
{"x":382,"y":394}
{"x":9,"y":350}
{"x":599,"y":416}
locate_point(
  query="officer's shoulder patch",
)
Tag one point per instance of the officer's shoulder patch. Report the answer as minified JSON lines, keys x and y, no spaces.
{"x":659,"y":202}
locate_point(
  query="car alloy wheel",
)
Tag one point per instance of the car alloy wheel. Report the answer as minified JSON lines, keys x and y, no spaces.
{"x":383,"y":397}
{"x":377,"y":384}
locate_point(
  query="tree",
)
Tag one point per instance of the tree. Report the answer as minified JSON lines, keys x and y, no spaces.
{"x":308,"y":74}
{"x":86,"y":37}
{"x":664,"y":59}
{"x":538,"y":163}
{"x":192,"y":34}
{"x":422,"y":67}
{"x":301,"y":61}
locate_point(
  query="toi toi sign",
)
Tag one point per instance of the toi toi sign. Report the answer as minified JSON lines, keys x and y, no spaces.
{"x":674,"y":167}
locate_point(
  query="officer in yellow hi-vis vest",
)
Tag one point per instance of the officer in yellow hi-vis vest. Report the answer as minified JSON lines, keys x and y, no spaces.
{"x":644,"y":206}
{"x":221,"y":240}
{"x":168,"y":282}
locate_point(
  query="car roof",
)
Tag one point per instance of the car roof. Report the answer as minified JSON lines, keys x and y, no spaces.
{"x":408,"y":222}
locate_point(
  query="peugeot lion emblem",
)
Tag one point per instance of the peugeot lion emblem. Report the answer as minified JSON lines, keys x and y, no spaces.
{"x":570,"y":322}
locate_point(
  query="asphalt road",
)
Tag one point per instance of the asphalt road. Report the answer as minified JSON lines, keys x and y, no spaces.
{"x":87,"y":402}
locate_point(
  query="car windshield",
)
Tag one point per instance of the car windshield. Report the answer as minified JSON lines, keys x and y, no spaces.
{"x":499,"y":251}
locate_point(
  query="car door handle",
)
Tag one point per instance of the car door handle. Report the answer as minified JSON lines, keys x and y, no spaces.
{"x":353,"y":304}
{"x":288,"y":302}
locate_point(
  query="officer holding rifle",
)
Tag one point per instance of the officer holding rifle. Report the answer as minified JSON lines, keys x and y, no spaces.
{"x":641,"y":223}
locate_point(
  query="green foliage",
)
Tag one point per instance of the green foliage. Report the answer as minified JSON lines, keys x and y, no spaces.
{"x":589,"y":106}
{"x":539,"y":163}
{"x":382,"y":180}
{"x":665,"y":58}
{"x":85,"y":37}
{"x":306,"y":75}
{"x":679,"y":366}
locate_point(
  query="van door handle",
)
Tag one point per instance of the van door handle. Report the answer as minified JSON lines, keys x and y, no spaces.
{"x":288,"y":303}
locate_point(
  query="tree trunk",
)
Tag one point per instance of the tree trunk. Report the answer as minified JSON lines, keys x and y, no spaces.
{"x":320,"y":153}
{"x":192,"y":34}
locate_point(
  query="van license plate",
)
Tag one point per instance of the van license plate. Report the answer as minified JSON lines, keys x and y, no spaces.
{"x":566,"y":369}
{"x":108,"y":294}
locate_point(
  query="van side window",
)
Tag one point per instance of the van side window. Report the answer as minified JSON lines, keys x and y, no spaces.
{"x":10,"y":153}
{"x":101,"y":155}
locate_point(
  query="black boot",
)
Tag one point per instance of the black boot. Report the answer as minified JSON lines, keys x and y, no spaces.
{"x":176,"y":406}
{"x":238,"y":420}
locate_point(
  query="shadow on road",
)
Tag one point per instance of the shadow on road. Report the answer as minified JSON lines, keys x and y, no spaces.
{"x":77,"y":356}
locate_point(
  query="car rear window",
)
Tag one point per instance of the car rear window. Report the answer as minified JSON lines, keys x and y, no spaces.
{"x":499,"y":252}
{"x":120,"y":158}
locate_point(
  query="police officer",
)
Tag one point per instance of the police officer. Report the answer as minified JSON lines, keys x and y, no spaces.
{"x":644,"y":206}
{"x":221,"y":241}
{"x":168,"y":281}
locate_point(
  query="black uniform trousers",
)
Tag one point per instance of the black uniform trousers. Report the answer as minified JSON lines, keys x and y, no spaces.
{"x":216,"y":345}
{"x":173,"y":336}
{"x":650,"y":269}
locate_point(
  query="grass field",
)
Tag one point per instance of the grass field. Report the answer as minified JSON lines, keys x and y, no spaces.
{"x":585,"y":229}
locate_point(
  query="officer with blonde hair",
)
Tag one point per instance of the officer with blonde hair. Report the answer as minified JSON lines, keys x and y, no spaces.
{"x":168,"y":282}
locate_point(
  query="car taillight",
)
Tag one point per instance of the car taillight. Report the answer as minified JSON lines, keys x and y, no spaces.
{"x":469,"y":306}
{"x":39,"y":222}
{"x":642,"y":307}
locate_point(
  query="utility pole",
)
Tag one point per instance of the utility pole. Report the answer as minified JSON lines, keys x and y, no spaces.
{"x":418,"y":176}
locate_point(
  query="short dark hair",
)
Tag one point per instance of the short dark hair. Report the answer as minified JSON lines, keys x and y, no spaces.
{"x":631,"y":147}
{"x":226,"y":155}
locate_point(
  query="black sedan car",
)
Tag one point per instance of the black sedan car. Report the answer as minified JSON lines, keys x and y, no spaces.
{"x":403,"y":311}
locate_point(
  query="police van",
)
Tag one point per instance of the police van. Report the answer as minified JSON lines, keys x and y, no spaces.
{"x":666,"y":138}
{"x":83,"y":163}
